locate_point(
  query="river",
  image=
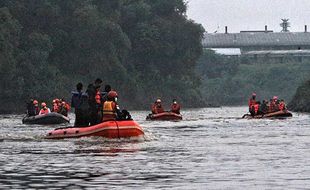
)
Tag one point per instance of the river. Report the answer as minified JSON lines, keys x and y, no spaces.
{"x":212,"y":148}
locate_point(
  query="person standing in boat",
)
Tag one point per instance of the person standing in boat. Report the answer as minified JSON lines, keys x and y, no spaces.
{"x":251,"y":103}
{"x":111,"y":110}
{"x":44,"y":109}
{"x":94,"y":101}
{"x":31,"y":111}
{"x":36,"y":107}
{"x":76,"y":103}
{"x":175,"y":107}
{"x":157,"y":107}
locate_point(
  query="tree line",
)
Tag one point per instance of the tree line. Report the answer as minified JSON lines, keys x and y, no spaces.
{"x":143,"y":48}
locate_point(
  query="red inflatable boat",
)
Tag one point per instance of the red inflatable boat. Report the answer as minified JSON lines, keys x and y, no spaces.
{"x":109,"y":129}
{"x":278,"y":114}
{"x":166,"y":116}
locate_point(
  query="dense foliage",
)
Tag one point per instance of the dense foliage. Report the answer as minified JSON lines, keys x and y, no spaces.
{"x":143,"y":48}
{"x":301,"y":100}
{"x":231,"y":80}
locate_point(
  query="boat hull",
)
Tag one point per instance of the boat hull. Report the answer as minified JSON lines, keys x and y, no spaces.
{"x":165,"y":116}
{"x":108,"y":129}
{"x":278,"y":114}
{"x":46,"y":119}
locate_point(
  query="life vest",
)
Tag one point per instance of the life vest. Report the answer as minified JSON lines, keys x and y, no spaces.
{"x":251,"y":103}
{"x":159,"y":109}
{"x":55,"y":107}
{"x":109,"y":111}
{"x":98,"y":97}
{"x":109,"y":108}
{"x":37,"y":109}
{"x":256,"y":108}
{"x":44,"y":111}
{"x":272,"y":106}
{"x":175,"y":108}
{"x":153,"y":108}
{"x":282,"y":106}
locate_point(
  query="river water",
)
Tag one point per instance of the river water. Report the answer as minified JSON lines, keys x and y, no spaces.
{"x":211,"y":148}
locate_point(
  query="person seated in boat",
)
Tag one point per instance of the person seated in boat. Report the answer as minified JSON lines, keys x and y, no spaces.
{"x":56,"y":106}
{"x":31,"y":108}
{"x":264,"y":107}
{"x":175,"y":107}
{"x":251,"y":103}
{"x":157,"y":107}
{"x":282,"y":106}
{"x":273,"y":105}
{"x":110,"y":108}
{"x":64,"y":109}
{"x":44,"y":109}
{"x":36,"y":107}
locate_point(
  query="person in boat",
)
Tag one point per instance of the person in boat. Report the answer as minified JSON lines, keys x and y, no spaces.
{"x":264,"y":107}
{"x":110,"y":108}
{"x":273,"y":104}
{"x":56,"y":106}
{"x":44,"y":109}
{"x":36,"y":107}
{"x":94,"y":101}
{"x":257,"y":108}
{"x":175,"y":107}
{"x":107,"y":89}
{"x":64,"y":109}
{"x":31,"y":111}
{"x":282,"y":105}
{"x":84,"y":112}
{"x":76,"y":102}
{"x":251,"y":104}
{"x":157,"y":107}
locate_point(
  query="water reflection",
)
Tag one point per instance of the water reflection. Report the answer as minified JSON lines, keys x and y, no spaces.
{"x":210,"y":149}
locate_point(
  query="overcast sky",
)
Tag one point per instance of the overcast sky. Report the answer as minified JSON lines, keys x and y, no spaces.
{"x":249,"y":14}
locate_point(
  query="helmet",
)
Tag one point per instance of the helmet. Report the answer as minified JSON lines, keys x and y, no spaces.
{"x":275,"y":97}
{"x":54,"y":101}
{"x":43,"y":104}
{"x":35,"y":102}
{"x":253,"y":94}
{"x":112,"y":94}
{"x":158,"y":100}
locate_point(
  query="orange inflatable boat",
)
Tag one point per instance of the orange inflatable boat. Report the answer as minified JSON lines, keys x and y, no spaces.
{"x":108,"y":129}
{"x":166,"y":116}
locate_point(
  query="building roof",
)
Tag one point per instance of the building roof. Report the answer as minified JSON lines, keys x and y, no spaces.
{"x":227,"y":51}
{"x":252,"y":39}
{"x":279,"y":52}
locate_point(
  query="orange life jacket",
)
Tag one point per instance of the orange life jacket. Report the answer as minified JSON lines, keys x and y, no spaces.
{"x":44,"y":111}
{"x":98,"y":97}
{"x":282,"y":106}
{"x":272,"y":107}
{"x":256,"y":108}
{"x":175,"y":108}
{"x":109,"y":111}
{"x":251,"y":103}
{"x":55,"y":107}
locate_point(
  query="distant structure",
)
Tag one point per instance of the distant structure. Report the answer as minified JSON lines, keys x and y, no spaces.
{"x":261,"y":44}
{"x":285,"y":25}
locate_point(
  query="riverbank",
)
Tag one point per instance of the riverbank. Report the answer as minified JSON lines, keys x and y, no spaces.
{"x":301,"y":100}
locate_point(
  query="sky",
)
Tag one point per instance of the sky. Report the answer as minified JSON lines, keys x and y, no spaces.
{"x":239,"y":15}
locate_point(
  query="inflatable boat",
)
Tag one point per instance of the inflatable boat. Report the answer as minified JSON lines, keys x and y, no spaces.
{"x":278,"y":114}
{"x":165,"y":116}
{"x":46,"y":119}
{"x":108,"y":129}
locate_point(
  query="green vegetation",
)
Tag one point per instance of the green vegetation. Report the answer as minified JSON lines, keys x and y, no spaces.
{"x":301,"y":100}
{"x":143,"y":48}
{"x":232,"y":80}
